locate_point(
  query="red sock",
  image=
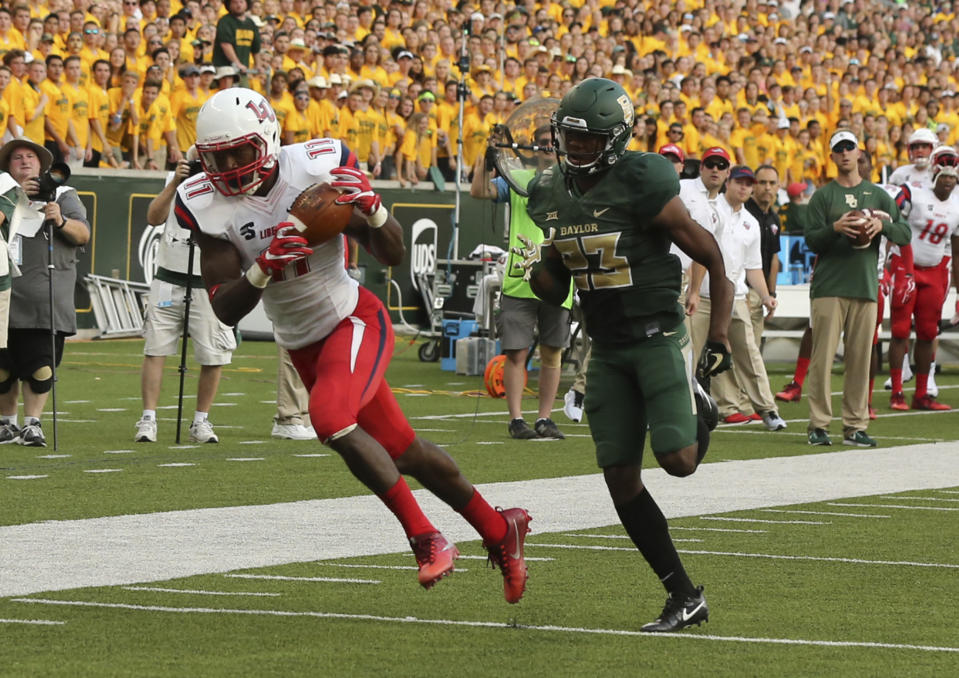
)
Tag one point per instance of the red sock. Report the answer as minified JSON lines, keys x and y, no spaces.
{"x":400,"y":500}
{"x":896,"y":375}
{"x":872,"y":381}
{"x":802,"y":366}
{"x":922,"y":381}
{"x":487,"y":520}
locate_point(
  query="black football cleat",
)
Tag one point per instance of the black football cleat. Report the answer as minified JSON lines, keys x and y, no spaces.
{"x":680,"y":611}
{"x":705,"y":405}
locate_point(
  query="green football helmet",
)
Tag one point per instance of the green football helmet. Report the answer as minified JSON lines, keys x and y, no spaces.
{"x":592,"y":126}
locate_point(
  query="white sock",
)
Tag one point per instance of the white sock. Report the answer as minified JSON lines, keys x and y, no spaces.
{"x":11,"y":419}
{"x":31,"y":420}
{"x":149,"y":414}
{"x":199,"y":417}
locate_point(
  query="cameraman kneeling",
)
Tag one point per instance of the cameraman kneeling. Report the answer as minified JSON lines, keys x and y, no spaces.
{"x":28,"y":357}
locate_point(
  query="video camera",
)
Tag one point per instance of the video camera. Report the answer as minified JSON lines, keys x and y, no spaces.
{"x":55,"y":177}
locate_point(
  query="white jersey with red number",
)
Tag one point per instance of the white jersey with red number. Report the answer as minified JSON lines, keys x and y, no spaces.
{"x":313,"y":294}
{"x":910,"y":174}
{"x":933,"y":223}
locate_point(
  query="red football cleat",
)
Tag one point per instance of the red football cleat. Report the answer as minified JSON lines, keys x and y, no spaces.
{"x":897,"y":401}
{"x":927,"y":402}
{"x":737,"y":418}
{"x":872,"y":412}
{"x":508,"y":553}
{"x":434,"y":555}
{"x":755,"y":417}
{"x":792,"y":392}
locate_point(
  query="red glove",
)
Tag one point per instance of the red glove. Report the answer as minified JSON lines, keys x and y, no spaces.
{"x":884,"y":282}
{"x":904,"y":289}
{"x":358,"y":192}
{"x":286,"y":247}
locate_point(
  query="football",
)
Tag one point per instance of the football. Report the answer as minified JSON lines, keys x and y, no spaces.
{"x":316,"y":214}
{"x":862,"y":239}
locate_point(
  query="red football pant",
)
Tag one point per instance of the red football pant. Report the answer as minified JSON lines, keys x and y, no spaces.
{"x":932,"y":284}
{"x":344,"y":373}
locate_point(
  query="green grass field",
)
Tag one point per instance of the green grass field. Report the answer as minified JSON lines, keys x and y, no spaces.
{"x":860,"y":583}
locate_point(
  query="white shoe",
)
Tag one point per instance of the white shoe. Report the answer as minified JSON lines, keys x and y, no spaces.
{"x":293,"y":432}
{"x":146,"y":431}
{"x":573,"y":405}
{"x":202,"y":432}
{"x":931,"y":387}
{"x":773,"y":421}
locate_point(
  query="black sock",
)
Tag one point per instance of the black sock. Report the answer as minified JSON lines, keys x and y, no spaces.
{"x":646,"y":526}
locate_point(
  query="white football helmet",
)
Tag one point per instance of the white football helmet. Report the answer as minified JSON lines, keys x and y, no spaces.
{"x":944,"y":162}
{"x":918,"y":141}
{"x":238,"y":139}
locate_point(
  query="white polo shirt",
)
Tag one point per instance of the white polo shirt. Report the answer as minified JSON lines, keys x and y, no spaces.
{"x":695,"y":197}
{"x":739,"y":242}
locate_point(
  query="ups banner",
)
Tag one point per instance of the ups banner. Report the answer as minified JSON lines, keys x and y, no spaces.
{"x":124,"y":246}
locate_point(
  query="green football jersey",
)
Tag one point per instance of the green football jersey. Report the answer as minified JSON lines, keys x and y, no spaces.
{"x":628,"y":281}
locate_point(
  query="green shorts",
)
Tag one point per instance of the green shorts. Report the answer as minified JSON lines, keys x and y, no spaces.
{"x":632,"y":387}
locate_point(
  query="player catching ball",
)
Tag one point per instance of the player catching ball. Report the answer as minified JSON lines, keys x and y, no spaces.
{"x":610,"y":216}
{"x":338,"y":334}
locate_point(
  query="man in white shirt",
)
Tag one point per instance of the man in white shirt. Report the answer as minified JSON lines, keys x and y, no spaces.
{"x":739,"y":241}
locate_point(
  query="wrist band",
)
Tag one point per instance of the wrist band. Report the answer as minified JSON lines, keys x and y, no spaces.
{"x":63,"y":222}
{"x":378,"y":218}
{"x":257,"y":277}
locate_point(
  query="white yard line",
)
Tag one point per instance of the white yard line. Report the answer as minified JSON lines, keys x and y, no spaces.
{"x":825,"y":513}
{"x":195,"y":592}
{"x":40,"y":622}
{"x":899,"y":506}
{"x":327,"y":580}
{"x":657,"y":637}
{"x":153,"y":547}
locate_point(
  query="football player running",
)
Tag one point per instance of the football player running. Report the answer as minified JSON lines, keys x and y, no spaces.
{"x":338,"y":334}
{"x":922,"y":285}
{"x":610,"y":216}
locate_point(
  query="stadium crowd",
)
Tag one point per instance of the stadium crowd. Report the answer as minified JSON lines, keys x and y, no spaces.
{"x":120,"y":82}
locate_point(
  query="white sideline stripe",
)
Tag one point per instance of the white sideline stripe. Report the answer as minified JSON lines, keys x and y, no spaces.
{"x":156,"y":547}
{"x":763,"y":520}
{"x":39,"y":622}
{"x":311,"y":455}
{"x":495,"y":625}
{"x":827,"y":559}
{"x":244,"y":458}
{"x":278,"y":577}
{"x":360,"y":566}
{"x":772,"y":556}
{"x":718,"y":529}
{"x":900,"y":506}
{"x":826,"y":513}
{"x":103,"y":470}
{"x":64,"y":456}
{"x":36,"y":477}
{"x":160,"y":589}
{"x":914,"y":498}
{"x":118,"y":452}
{"x":614,"y":536}
{"x":176,"y":464}
{"x":949,"y":491}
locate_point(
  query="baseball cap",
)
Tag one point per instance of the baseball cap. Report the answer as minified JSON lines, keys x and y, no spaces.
{"x":796,"y":189}
{"x":208,"y":68}
{"x":404,"y":54}
{"x":716,"y":152}
{"x":297,"y":43}
{"x":318,"y":81}
{"x":188,"y":70}
{"x":842,"y":135}
{"x":782,"y":124}
{"x":673,"y":149}
{"x":742,"y":172}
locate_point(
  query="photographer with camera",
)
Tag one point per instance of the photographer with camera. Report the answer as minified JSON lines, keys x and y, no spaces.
{"x":178,"y":277}
{"x":39,"y":246}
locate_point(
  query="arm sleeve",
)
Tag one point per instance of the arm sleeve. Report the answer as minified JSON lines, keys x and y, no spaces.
{"x":897,"y":230}
{"x":71,"y":207}
{"x":820,"y":235}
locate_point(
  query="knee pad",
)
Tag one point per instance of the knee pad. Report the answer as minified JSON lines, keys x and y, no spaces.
{"x":41,"y":380}
{"x":550,"y":356}
{"x":6,"y":381}
{"x":901,"y":325}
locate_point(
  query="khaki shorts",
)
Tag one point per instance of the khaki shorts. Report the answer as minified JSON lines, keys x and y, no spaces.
{"x":213,"y":342}
{"x":519,"y":317}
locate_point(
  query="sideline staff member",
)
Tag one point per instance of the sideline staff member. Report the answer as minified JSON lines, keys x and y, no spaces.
{"x":27,"y":357}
